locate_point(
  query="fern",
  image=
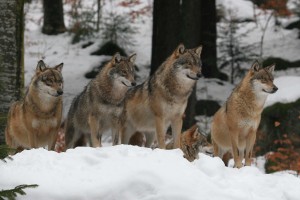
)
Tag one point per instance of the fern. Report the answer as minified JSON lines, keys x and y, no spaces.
{"x":12,"y":193}
{"x":18,"y":190}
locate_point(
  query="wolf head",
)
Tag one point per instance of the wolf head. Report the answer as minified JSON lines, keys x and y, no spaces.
{"x":187,"y":62}
{"x":122,"y":69}
{"x":49,"y":80}
{"x":262,"y":78}
{"x":194,"y":138}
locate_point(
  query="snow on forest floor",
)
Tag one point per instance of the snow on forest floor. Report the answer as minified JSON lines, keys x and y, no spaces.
{"x":134,"y":173}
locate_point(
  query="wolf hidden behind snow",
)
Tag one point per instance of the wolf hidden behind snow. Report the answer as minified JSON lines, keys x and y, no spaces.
{"x":162,"y":99}
{"x":192,"y":143}
{"x":34,"y":121}
{"x":235,"y":124}
{"x":99,"y":106}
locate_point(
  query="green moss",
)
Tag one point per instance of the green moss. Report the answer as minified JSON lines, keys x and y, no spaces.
{"x":286,"y":116}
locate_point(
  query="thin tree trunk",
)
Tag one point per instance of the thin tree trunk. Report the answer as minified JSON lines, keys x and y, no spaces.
{"x":11,"y":57}
{"x":53,"y":17}
{"x":191,"y":32}
{"x":99,"y":8}
{"x":192,"y":22}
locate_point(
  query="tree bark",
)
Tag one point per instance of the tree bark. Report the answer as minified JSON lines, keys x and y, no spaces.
{"x":191,"y":32}
{"x":53,"y":17}
{"x":166,"y":30}
{"x":11,"y":57}
{"x":209,"y":39}
{"x":192,"y":22}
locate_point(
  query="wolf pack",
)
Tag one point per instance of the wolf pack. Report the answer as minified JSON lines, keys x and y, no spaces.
{"x":140,"y":114}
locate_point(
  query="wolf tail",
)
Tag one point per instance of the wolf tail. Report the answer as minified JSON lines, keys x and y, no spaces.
{"x":69,"y":133}
{"x":8,"y":138}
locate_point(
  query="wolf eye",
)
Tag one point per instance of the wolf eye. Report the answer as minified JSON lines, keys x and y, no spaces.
{"x":49,"y":82}
{"x":44,"y":78}
{"x":264,"y":80}
{"x":124,"y":72}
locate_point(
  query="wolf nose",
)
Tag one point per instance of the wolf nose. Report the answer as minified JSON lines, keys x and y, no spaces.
{"x":199,"y":75}
{"x":275,"y":88}
{"x":133,"y":83}
{"x":60,"y":92}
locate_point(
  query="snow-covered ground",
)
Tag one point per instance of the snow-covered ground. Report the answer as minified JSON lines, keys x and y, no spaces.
{"x":126,"y":172}
{"x":133,"y":173}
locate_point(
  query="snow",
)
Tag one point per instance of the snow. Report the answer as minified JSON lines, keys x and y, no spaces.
{"x":242,"y":9}
{"x":129,"y":173}
{"x":288,"y":90}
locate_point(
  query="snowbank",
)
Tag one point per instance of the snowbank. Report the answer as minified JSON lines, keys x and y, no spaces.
{"x":288,"y":90}
{"x":128,"y":173}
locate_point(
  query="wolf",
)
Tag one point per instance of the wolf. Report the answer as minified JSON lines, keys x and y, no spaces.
{"x":100,"y":104}
{"x":34,"y":120}
{"x":192,"y":143}
{"x":137,"y":139}
{"x":162,"y":99}
{"x":235,"y":124}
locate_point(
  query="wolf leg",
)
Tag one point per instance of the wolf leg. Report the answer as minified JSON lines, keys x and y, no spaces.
{"x":176,"y":125}
{"x":32,"y":138}
{"x":125,"y":136}
{"x":241,"y":155}
{"x":219,"y":152}
{"x":235,"y":150}
{"x":249,"y":147}
{"x":150,"y":136}
{"x":71,"y":135}
{"x":115,"y":131}
{"x":160,"y":132}
{"x":115,"y":136}
{"x":8,"y":138}
{"x":216,"y":148}
{"x":94,"y":128}
{"x":126,"y":131}
{"x":52,"y":140}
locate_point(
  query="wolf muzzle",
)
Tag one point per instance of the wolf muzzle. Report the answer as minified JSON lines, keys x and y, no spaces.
{"x":274,"y":89}
{"x":133,"y":84}
{"x":59,"y":92}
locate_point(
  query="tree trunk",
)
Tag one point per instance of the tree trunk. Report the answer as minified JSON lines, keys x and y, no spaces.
{"x":166,"y":30}
{"x":11,"y":57}
{"x":192,"y":22}
{"x":191,"y":32}
{"x":209,"y":39}
{"x":53,"y":17}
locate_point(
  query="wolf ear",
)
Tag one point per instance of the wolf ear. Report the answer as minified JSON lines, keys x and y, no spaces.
{"x":195,"y":134}
{"x":132,"y":58}
{"x":271,"y":68}
{"x":180,"y":49}
{"x":41,"y":66}
{"x":117,"y":57}
{"x":59,"y":67}
{"x":198,"y":51}
{"x":255,"y":67}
